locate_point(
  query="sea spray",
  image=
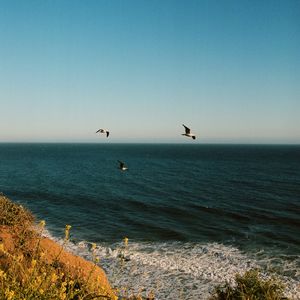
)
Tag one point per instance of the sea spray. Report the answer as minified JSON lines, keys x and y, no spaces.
{"x":184,"y":270}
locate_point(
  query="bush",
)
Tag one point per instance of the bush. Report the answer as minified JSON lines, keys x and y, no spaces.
{"x":250,"y":286}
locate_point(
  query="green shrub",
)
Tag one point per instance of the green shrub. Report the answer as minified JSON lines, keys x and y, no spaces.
{"x":250,"y":286}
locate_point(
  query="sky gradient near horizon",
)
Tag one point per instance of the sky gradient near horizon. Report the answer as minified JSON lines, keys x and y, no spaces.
{"x":228,"y":69}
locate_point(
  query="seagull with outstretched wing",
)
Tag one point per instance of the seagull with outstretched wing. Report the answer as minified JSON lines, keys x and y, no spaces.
{"x":103,"y":131}
{"x":188,"y":132}
{"x":122,"y":166}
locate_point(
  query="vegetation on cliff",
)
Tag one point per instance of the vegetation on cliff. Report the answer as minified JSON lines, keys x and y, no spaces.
{"x":33,"y":267}
{"x":250,"y":286}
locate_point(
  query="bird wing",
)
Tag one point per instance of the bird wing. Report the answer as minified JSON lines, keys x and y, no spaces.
{"x":121,"y":164}
{"x":107,"y":133}
{"x":187,"y":130}
{"x":101,"y":130}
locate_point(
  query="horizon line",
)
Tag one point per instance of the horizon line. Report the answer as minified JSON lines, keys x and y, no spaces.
{"x":153,"y":143}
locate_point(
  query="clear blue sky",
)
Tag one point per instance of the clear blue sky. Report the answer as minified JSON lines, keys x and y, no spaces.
{"x":228,"y":69}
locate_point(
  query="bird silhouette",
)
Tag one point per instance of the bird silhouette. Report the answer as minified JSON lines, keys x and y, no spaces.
{"x":103,"y":131}
{"x":188,"y":132}
{"x":122,"y":166}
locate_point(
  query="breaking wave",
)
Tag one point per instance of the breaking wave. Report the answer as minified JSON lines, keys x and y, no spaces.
{"x":175,"y":270}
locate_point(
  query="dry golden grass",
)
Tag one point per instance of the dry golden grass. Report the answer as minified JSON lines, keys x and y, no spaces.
{"x":28,"y":270}
{"x":12,"y":214}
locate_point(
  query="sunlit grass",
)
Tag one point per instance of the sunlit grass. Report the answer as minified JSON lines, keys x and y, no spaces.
{"x":24,"y":274}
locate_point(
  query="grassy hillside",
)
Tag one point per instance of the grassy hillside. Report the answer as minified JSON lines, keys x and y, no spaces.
{"x":33,"y":267}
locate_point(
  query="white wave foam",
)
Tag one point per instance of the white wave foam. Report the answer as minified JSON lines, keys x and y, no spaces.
{"x":177,"y":270}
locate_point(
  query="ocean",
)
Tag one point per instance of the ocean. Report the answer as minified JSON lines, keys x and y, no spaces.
{"x":194,"y":214}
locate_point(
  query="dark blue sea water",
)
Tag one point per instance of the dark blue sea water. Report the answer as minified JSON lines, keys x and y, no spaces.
{"x":190,"y":211}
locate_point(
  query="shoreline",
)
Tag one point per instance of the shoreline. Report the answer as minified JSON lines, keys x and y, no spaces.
{"x":151,"y":263}
{"x":179,"y":266}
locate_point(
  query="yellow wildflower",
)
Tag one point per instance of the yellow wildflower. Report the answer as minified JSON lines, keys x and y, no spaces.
{"x":38,"y":280}
{"x":54,"y":277}
{"x":93,"y":246}
{"x":67,"y":230}
{"x":42,"y":223}
{"x":62,"y":296}
{"x":63,"y":290}
{"x":9,"y":294}
{"x":2,"y":274}
{"x":20,"y":258}
{"x":33,"y":263}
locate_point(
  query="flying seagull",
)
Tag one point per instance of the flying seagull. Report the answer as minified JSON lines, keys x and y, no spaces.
{"x":103,"y":131}
{"x":188,"y":132}
{"x":122,"y":166}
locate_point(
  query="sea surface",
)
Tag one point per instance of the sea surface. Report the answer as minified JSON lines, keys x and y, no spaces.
{"x":194,"y":214}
